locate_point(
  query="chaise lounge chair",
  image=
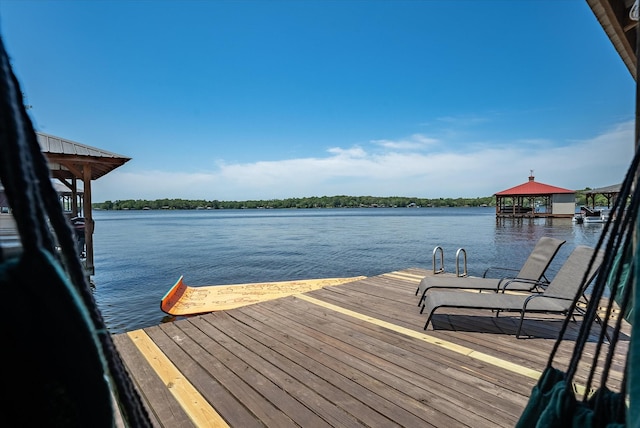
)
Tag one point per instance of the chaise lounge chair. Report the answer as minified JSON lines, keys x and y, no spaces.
{"x":529,"y":278}
{"x":557,"y":298}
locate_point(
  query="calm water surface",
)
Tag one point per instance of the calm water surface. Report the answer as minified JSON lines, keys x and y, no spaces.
{"x":139,"y":255}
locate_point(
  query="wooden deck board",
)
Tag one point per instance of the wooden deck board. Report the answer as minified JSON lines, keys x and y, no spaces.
{"x":349,"y":355}
{"x":320,"y":364}
{"x":285,"y":376}
{"x":356,"y":347}
{"x":160,"y":404}
{"x":297,"y":362}
{"x":415,"y":356}
{"x":499,"y":342}
{"x":344,"y":354}
{"x":234,"y":374}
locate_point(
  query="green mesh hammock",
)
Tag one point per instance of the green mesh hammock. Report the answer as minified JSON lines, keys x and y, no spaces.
{"x":61,"y":366}
{"x":553,"y":401}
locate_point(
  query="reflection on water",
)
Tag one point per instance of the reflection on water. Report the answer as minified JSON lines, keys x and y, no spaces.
{"x":513,"y":237}
{"x":140,"y":254}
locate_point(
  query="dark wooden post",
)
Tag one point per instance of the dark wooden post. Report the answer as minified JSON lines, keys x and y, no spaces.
{"x":88,"y":219}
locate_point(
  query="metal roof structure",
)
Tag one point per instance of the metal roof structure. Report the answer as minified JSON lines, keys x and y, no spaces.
{"x":67,"y":159}
{"x":609,"y":192}
{"x":614,"y":17}
{"x":533,"y":188}
{"x":69,"y":162}
{"x":614,"y":188}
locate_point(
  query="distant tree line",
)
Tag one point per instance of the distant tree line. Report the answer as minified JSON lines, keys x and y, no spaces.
{"x":311,"y":202}
{"x":308,"y":202}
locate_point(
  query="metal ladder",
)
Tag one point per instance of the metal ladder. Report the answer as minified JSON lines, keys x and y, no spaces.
{"x":437,"y":270}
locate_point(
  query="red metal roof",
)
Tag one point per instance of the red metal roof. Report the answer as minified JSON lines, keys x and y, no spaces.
{"x":532,"y":187}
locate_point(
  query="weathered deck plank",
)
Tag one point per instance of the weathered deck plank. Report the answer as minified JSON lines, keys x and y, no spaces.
{"x":363,"y":353}
{"x":348,"y":355}
{"x":161,"y":405}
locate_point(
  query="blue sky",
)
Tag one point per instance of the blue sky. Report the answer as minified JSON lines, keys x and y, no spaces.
{"x":238,"y":100}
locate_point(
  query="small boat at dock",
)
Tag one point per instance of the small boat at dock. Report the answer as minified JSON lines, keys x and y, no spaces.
{"x":589,"y":215}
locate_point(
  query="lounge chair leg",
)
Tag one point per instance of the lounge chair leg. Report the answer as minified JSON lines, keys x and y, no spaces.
{"x":428,"y":318}
{"x":422,"y":309}
{"x":603,"y":327}
{"x":421,"y":299}
{"x":520,"y":325}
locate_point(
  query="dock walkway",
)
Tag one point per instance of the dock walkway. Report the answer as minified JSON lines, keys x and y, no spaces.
{"x":344,"y":356}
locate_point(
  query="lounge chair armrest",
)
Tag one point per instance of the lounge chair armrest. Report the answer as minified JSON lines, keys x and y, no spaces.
{"x":504,"y":283}
{"x":484,"y":275}
{"x":550,"y":297}
{"x":533,"y":296}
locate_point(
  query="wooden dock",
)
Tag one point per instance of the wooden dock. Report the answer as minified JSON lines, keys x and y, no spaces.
{"x":344,"y":356}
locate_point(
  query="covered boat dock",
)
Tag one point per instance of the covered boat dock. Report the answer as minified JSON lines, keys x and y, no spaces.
{"x":609,"y":192}
{"x":71,"y":163}
{"x":534,"y":199}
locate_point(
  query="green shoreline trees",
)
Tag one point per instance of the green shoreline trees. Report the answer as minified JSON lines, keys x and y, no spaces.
{"x":339,"y":201}
{"x":307,"y":202}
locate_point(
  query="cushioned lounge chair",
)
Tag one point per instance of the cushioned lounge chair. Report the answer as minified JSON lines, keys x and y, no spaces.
{"x":556,"y":298}
{"x":529,"y":278}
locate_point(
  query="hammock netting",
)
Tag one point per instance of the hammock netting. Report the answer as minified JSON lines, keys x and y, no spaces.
{"x":554,"y":401}
{"x":61,"y":366}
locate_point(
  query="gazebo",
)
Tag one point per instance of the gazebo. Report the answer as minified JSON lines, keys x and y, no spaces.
{"x":533,"y":199}
{"x":69,"y":162}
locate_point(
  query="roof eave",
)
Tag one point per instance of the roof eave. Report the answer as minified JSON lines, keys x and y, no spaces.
{"x":613,"y":16}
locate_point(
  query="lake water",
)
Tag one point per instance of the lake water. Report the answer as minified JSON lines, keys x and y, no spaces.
{"x":139,"y":255}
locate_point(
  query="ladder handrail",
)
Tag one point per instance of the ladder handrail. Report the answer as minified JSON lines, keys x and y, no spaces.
{"x":461,"y":250}
{"x":436,"y":249}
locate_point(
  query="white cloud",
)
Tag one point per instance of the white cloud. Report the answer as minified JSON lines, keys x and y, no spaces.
{"x":402,"y":170}
{"x":354,"y":152}
{"x":416,"y":141}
